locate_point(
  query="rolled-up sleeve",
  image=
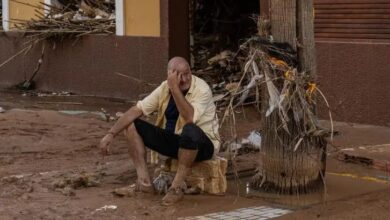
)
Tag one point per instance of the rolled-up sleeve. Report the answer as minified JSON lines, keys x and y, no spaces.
{"x":200,"y":103}
{"x":150,"y":103}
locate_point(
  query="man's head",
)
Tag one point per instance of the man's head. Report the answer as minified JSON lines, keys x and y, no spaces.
{"x":182,"y":68}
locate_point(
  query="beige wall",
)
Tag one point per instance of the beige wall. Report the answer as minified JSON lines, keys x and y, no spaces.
{"x":142,"y":18}
{"x":21,"y":12}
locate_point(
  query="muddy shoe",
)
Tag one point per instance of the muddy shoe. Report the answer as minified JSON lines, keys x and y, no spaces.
{"x":173,"y":196}
{"x":132,"y":190}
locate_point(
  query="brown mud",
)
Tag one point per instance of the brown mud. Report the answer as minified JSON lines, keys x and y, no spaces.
{"x":50,"y":168}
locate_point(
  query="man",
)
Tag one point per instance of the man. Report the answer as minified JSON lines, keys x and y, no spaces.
{"x":186,"y":128}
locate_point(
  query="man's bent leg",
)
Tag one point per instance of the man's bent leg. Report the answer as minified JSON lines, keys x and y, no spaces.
{"x":186,"y":159}
{"x":138,"y":155}
{"x":192,"y":139}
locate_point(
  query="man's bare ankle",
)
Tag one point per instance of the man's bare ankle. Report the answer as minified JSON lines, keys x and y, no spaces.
{"x":178,"y":185}
{"x":144,"y":182}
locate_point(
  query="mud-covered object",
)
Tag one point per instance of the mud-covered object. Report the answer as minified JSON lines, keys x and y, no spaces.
{"x":133,"y":190}
{"x":205,"y":177}
{"x":162,"y":182}
{"x":76,"y":181}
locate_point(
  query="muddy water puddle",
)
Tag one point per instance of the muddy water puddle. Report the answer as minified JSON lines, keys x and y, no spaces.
{"x":338,"y":186}
{"x":286,"y":201}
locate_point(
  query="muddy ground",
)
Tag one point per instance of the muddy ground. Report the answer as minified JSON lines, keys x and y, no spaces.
{"x":50,"y":168}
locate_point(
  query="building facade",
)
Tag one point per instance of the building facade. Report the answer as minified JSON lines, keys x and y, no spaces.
{"x":353,"y":58}
{"x":352,"y":39}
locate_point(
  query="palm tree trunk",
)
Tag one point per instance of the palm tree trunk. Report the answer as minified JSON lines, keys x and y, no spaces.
{"x":290,"y":164}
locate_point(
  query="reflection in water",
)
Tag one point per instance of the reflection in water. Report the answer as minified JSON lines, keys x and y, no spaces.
{"x":288,"y":201}
{"x":291,"y":201}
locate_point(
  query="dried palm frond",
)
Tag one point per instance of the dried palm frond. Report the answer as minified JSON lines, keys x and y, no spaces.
{"x":68,"y":18}
{"x":290,"y":92}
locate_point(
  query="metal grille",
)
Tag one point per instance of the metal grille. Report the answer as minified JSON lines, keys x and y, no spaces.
{"x":352,"y":19}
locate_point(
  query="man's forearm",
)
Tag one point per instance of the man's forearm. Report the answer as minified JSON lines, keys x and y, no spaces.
{"x":185,"y":109}
{"x":124,"y":121}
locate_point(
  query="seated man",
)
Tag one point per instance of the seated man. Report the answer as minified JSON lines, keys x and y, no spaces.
{"x":186,"y":127}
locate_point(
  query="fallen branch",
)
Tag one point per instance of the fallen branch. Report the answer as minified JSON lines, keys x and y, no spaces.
{"x":29,"y":84}
{"x":16,"y":55}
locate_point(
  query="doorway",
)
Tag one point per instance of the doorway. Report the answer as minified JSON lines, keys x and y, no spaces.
{"x":218,"y":27}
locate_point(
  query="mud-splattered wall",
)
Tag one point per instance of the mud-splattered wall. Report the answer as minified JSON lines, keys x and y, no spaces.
{"x":88,"y":66}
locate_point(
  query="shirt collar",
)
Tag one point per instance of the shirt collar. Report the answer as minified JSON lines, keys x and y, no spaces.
{"x":192,"y":87}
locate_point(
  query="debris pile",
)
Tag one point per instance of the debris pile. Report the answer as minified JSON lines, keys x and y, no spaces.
{"x":237,"y":147}
{"x":270,"y":77}
{"x":217,"y":29}
{"x":77,"y":181}
{"x":70,"y":17}
{"x":223,"y":74}
{"x":66,"y":184}
{"x":272,"y":66}
{"x":59,"y":20}
{"x":15,"y":186}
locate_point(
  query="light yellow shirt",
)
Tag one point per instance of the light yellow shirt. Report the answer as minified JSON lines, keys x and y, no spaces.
{"x":199,"y":96}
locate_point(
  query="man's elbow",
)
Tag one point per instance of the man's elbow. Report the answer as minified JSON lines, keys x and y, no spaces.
{"x":133,"y":112}
{"x":188,"y":115}
{"x":189,"y":119}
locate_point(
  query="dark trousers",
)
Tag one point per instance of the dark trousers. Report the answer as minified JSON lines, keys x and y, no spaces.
{"x":168,"y":144}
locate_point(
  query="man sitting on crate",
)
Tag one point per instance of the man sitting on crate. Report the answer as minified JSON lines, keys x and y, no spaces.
{"x":186,"y":127}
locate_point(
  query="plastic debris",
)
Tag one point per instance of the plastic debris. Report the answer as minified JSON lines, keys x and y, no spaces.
{"x":162,"y":182}
{"x":253,"y":139}
{"x":107,"y":207}
{"x":103,"y":115}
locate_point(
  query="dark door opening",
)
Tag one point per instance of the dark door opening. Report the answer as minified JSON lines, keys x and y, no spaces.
{"x":218,"y":27}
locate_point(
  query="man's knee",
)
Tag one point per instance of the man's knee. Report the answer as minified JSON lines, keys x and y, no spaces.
{"x":192,"y":131}
{"x":131,"y":134}
{"x":190,"y":136}
{"x":130,"y":131}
